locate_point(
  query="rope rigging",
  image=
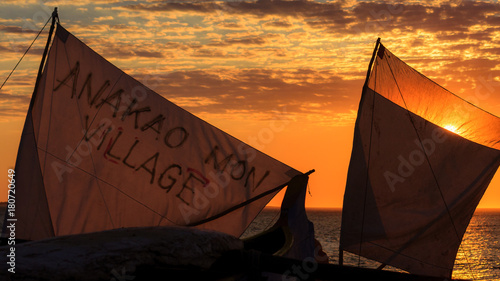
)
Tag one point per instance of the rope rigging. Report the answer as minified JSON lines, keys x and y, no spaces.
{"x":27,"y":50}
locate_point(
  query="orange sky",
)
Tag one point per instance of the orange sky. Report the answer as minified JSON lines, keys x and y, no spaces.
{"x":239,"y":65}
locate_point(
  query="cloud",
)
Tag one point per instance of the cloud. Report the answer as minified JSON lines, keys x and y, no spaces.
{"x":246,"y":40}
{"x":201,"y":7}
{"x":332,"y":11}
{"x":278,"y":24}
{"x":258,"y":90}
{"x":230,"y":25}
{"x":65,"y":3}
{"x":320,"y":96}
{"x":125,"y":50}
{"x":104,"y":18}
{"x":210,"y":53}
{"x":220,"y":57}
{"x":474,"y":65}
{"x":13,"y":106}
{"x":16,"y":29}
{"x":14,"y":51}
{"x":447,"y":18}
{"x":362,"y":17}
{"x":21,"y":2}
{"x":13,"y":98}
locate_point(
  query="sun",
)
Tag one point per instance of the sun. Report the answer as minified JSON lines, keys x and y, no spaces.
{"x":451,"y":128}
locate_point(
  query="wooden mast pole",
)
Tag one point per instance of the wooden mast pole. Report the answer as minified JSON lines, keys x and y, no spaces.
{"x":371,"y":62}
{"x":54,"y":16}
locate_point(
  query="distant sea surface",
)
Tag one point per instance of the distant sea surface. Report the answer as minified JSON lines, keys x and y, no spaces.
{"x":478,"y":257}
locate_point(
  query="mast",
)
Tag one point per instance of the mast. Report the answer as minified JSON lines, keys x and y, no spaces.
{"x":54,"y":16}
{"x":377,"y":44}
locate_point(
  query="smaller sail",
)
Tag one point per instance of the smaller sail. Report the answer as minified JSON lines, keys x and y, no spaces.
{"x":421,"y":160}
{"x":102,"y":151}
{"x":292,"y":236}
{"x":293,"y":215}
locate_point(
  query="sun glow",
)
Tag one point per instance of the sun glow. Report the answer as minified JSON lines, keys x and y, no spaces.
{"x":451,"y":128}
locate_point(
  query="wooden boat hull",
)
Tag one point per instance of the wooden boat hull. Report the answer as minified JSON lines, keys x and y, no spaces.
{"x":122,"y":254}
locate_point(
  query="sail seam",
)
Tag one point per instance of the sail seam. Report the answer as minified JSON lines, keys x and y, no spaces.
{"x":91,"y":157}
{"x":407,"y":256}
{"x":99,"y":179}
{"x":48,"y":135}
{"x":450,"y":92}
{"x":93,"y":164}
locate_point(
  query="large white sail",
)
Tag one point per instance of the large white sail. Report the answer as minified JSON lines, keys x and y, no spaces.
{"x":421,"y":161}
{"x":101,"y":151}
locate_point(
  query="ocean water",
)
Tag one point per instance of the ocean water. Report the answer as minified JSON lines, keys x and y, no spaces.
{"x":478,"y":257}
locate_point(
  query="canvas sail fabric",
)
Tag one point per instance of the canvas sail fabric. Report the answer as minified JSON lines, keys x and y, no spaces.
{"x":413,"y":185}
{"x":101,"y":151}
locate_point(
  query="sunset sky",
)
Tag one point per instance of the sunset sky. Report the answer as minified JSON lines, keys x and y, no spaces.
{"x":241,"y":65}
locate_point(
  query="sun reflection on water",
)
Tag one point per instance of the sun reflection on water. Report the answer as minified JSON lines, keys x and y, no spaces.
{"x":475,"y":259}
